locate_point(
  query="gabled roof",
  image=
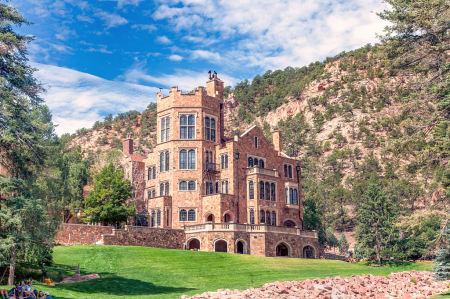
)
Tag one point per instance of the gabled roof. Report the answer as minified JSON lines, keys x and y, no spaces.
{"x":246,"y":132}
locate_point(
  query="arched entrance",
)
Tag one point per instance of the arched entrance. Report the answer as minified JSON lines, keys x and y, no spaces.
{"x":282,"y":250}
{"x":308,"y":252}
{"x":289,"y":223}
{"x":227,"y":218}
{"x":220,"y":246}
{"x":194,"y":244}
{"x":210,"y":218}
{"x":240,"y":247}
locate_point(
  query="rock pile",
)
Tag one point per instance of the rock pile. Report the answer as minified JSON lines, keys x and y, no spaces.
{"x":403,"y":285}
{"x":77,"y":278}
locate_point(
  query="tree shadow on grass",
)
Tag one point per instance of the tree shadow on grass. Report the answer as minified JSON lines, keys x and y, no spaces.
{"x":111,"y":284}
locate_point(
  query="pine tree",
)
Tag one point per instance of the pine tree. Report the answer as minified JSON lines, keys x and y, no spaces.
{"x":107,"y":202}
{"x":441,"y":266}
{"x":343,"y":243}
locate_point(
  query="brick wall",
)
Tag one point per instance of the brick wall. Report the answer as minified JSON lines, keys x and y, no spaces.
{"x":81,"y":233}
{"x":146,"y":236}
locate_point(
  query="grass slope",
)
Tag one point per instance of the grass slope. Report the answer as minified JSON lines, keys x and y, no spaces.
{"x":143,"y":272}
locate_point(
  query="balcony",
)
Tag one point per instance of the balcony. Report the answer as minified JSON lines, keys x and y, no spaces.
{"x":291,"y":206}
{"x":264,"y":171}
{"x":212,"y":167}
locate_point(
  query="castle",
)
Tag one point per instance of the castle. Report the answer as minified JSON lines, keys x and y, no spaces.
{"x":240,"y":194}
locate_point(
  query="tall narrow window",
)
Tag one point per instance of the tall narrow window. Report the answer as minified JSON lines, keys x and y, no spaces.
{"x":217,"y":187}
{"x":183,"y":185}
{"x":261,"y":190}
{"x":250,"y":162}
{"x":167,"y":161}
{"x":291,"y":196}
{"x":149,"y":175}
{"x":153,"y":193}
{"x":274,"y":218}
{"x":211,"y":188}
{"x":252,"y":217}
{"x":287,"y":195}
{"x":295,"y":197}
{"x":226,"y":161}
{"x":268,"y":217}
{"x":167,"y":128}
{"x":207,"y":128}
{"x":290,"y":171}
{"x":161,"y":190}
{"x":263,"y":217}
{"x":154,"y":172}
{"x":213,"y":129}
{"x":163,"y":129}
{"x":272,"y":192}
{"x":166,"y":189}
{"x":251,"y":190}
{"x":153,"y":219}
{"x":191,"y":215}
{"x":149,"y":194}
{"x":183,"y":215}
{"x":285,"y":171}
{"x":255,"y":162}
{"x":183,"y":159}
{"x":167,"y":217}
{"x":162,"y":163}
{"x":158,"y":218}
{"x":261,"y":163}
{"x":191,"y":186}
{"x":191,"y":127}
{"x":256,"y":142}
{"x":267,"y":191}
{"x":192,"y":160}
{"x":183,"y":127}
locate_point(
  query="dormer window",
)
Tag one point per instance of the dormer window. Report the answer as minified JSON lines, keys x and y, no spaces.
{"x":256,"y":142}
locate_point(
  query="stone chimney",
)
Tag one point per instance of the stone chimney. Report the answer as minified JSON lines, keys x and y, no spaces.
{"x":277,"y":140}
{"x":128,"y":145}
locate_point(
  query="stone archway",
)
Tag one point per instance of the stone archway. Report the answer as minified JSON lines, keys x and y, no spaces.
{"x":226,"y":218}
{"x":283,"y":249}
{"x":289,"y":223}
{"x":221,"y":245}
{"x":209,"y":217}
{"x":309,"y":252}
{"x":193,"y":244}
{"x":240,"y":247}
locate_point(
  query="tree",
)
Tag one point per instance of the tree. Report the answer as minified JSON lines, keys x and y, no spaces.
{"x":441,"y":266}
{"x":376,"y":215}
{"x":343,"y":243}
{"x":332,"y":240}
{"x":107,"y":202}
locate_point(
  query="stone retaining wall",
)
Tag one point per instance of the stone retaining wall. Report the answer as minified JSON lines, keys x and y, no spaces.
{"x":332,"y":256}
{"x":146,"y":236}
{"x":82,"y":233}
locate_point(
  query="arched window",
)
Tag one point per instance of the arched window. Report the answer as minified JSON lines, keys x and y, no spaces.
{"x":183,"y":215}
{"x":251,"y":190}
{"x":267,"y":191}
{"x":261,"y":190}
{"x":291,"y":196}
{"x":183,"y":159}
{"x":158,"y":218}
{"x":290,"y":171}
{"x":191,"y":215}
{"x":252,"y":217}
{"x":191,"y":186}
{"x":166,"y":189}
{"x":287,"y":195}
{"x":263,"y":217}
{"x":191,"y":127}
{"x":162,"y":162}
{"x":274,"y":218}
{"x":213,"y":129}
{"x":261,"y":163}
{"x":207,"y":128}
{"x":153,"y":222}
{"x":191,"y":164}
{"x":295,"y":197}
{"x":268,"y":217}
{"x":149,"y":174}
{"x":285,"y":171}
{"x":161,"y":189}
{"x":250,"y":162}
{"x":167,"y":161}
{"x":183,"y":185}
{"x":272,"y":192}
{"x":255,"y":162}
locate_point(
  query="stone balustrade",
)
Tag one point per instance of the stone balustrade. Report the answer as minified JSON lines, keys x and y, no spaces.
{"x":264,"y":171}
{"x":237,"y":227}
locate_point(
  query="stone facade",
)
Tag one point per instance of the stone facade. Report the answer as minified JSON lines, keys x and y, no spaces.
{"x":81,"y":233}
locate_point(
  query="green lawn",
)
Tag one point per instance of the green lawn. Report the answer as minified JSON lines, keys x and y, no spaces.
{"x":143,"y":272}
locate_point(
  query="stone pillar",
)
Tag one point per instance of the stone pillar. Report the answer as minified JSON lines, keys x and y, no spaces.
{"x":128,"y":146}
{"x":277,"y":141}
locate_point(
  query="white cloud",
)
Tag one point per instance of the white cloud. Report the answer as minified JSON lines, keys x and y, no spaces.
{"x":78,"y":99}
{"x":163,"y":40}
{"x":175,"y":57}
{"x":202,"y":54}
{"x":121,"y":3}
{"x":85,"y":19}
{"x":111,"y":19}
{"x":149,"y":27}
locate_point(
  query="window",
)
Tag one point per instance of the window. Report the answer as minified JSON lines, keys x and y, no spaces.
{"x":251,"y":190}
{"x":252,"y":217}
{"x":167,"y":161}
{"x":209,"y":157}
{"x":255,"y":162}
{"x":274,"y":218}
{"x":167,"y":217}
{"x":149,"y":175}
{"x":164,"y":161}
{"x":210,"y":129}
{"x":213,"y":130}
{"x":187,"y":127}
{"x":153,"y":219}
{"x":183,"y":215}
{"x":191,"y":161}
{"x":224,"y":161}
{"x":191,"y":186}
{"x":217,"y":187}
{"x":150,"y":193}
{"x":287,"y":195}
{"x":153,"y":193}
{"x":290,"y":171}
{"x":263,"y":217}
{"x":154,"y":172}
{"x":272,"y":189}
{"x":261,"y":163}
{"x":291,"y":196}
{"x":225,"y":187}
{"x":295,"y":197}
{"x":267,"y":191}
{"x":250,"y":162}
{"x":161,"y":189}
{"x":158,"y":218}
{"x":209,"y":188}
{"x":183,"y":159}
{"x":191,"y":215}
{"x":285,"y":171}
{"x":166,"y":189}
{"x":268,"y":217}
{"x":165,"y":129}
{"x":183,"y":186}
{"x":261,"y":190}
{"x":256,"y":142}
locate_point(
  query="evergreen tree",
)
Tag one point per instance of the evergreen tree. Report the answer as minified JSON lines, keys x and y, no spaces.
{"x":343,"y":243}
{"x":332,"y":240}
{"x":107,"y":202}
{"x":376,"y":216}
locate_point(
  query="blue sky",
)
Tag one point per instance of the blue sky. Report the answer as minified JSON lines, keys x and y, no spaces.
{"x":108,"y":56}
